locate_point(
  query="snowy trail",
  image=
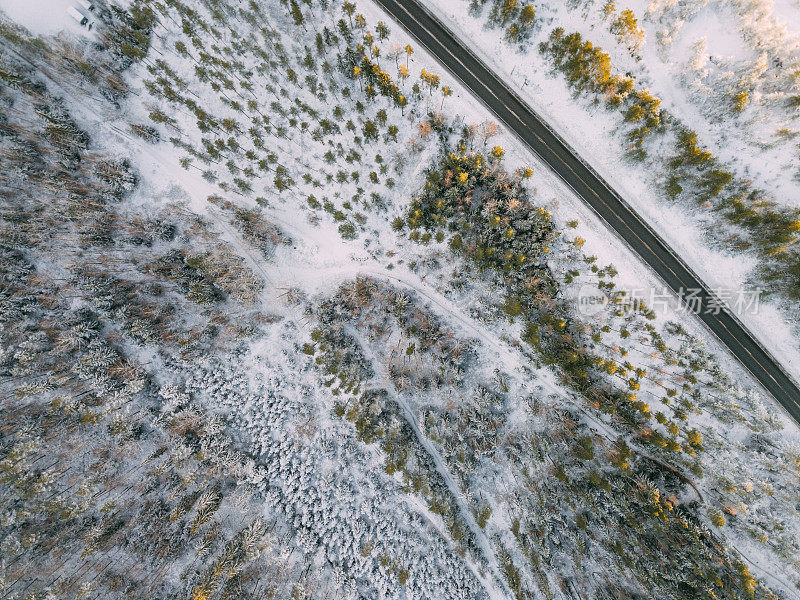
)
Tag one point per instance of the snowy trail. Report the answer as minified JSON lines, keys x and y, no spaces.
{"x":382,"y":381}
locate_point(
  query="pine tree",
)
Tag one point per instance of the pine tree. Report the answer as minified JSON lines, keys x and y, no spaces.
{"x":626,"y":28}
{"x":349,"y":8}
{"x":527,"y":16}
{"x":297,"y":14}
{"x":382,"y":30}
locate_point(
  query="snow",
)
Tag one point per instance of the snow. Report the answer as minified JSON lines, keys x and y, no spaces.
{"x":46,"y":17}
{"x":787,"y":10}
{"x":328,"y":485}
{"x":719,"y":30}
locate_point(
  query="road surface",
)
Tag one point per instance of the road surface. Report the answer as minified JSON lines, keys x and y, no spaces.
{"x":604,"y":201}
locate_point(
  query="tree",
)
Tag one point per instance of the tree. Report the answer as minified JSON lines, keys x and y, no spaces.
{"x":361,"y":22}
{"x":349,"y":8}
{"x":626,"y":28}
{"x":741,"y":100}
{"x":370,"y":131}
{"x":395,"y":51}
{"x":716,"y":180}
{"x":527,"y":16}
{"x":297,"y":14}
{"x":585,"y":65}
{"x":382,"y":30}
{"x":446,"y":91}
{"x":716,"y":517}
{"x":504,"y":11}
{"x":409,"y":52}
{"x":489,"y":129}
{"x":431,"y":79}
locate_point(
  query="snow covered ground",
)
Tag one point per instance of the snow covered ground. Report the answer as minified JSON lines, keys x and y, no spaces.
{"x":374,"y":395}
{"x":47,"y":17}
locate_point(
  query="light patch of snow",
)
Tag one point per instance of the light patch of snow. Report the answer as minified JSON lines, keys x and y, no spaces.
{"x":46,"y":17}
{"x":720,"y":32}
{"x":788,"y":11}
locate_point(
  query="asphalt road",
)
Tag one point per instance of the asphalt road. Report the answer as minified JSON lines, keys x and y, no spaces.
{"x":598,"y":194}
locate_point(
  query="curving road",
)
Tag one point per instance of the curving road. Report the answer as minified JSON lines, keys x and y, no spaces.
{"x":604,"y":201}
